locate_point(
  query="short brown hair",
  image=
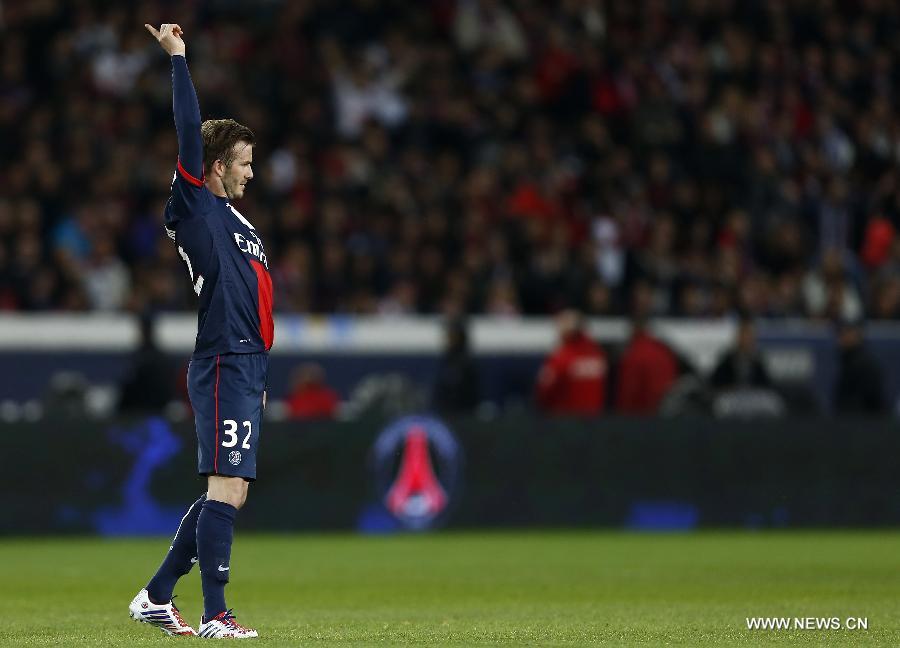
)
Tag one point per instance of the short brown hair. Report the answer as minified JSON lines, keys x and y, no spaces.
{"x":219,"y":137}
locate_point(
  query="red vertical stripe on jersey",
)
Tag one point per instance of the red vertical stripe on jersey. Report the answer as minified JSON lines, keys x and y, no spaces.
{"x":197,"y":182}
{"x":264,"y":293}
{"x":216,"y":449}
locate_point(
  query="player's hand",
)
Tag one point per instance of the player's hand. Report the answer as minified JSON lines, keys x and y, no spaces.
{"x":169,"y":37}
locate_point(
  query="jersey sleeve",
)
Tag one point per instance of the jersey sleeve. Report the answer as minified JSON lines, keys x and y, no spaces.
{"x":188,"y":190}
{"x":195,"y":246}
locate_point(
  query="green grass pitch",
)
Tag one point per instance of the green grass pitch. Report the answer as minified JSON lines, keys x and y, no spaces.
{"x":530,"y":588}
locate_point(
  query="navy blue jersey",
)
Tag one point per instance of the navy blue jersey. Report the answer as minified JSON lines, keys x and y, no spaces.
{"x":224,"y":255}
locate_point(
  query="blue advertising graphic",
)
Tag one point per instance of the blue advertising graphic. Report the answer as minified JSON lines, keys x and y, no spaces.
{"x":151,"y":443}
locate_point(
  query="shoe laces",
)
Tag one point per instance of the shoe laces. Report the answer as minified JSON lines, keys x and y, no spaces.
{"x":228,"y":619}
{"x":176,"y":613}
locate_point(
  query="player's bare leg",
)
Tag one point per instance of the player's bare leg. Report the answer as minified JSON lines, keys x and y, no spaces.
{"x":231,"y":490}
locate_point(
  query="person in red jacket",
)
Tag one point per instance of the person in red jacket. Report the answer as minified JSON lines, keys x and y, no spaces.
{"x":646,"y":371}
{"x":572,"y":379}
{"x":310,"y":397}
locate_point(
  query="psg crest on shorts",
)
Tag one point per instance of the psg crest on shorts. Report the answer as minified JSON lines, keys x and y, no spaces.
{"x":418,"y":465}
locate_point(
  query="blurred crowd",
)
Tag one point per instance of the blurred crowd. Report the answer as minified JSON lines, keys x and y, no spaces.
{"x":642,"y":375}
{"x":703,"y":157}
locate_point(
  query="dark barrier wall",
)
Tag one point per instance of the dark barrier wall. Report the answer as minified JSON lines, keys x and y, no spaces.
{"x":138,"y":477}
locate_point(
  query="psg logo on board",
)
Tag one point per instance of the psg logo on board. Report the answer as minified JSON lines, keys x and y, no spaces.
{"x":418,"y":464}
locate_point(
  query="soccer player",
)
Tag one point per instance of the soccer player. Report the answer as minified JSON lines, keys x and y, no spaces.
{"x":228,"y":268}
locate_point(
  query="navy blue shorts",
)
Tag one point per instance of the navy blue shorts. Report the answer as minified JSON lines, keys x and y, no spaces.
{"x":226,"y":393}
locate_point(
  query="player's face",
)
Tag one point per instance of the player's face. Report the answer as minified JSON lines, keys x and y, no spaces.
{"x":239,"y":172}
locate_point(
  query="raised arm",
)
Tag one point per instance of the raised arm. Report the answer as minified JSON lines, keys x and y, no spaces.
{"x":184,"y":104}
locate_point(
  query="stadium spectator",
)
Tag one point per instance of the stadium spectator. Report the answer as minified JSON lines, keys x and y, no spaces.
{"x":148,"y":386}
{"x":645,"y":372}
{"x":860,"y":385}
{"x":742,"y":365}
{"x":105,"y":277}
{"x":456,"y":389}
{"x":572,"y":380}
{"x":829,"y":291}
{"x":309,"y":396}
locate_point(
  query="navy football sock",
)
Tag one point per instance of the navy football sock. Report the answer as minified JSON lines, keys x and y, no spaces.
{"x":181,"y":557}
{"x":215,"y":530}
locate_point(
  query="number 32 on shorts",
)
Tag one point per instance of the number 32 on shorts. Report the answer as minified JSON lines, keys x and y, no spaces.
{"x":231,"y":437}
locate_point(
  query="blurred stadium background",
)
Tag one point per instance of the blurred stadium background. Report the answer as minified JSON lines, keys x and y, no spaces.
{"x":441,"y":186}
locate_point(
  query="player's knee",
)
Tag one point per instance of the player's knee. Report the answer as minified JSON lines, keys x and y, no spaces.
{"x":230,"y":490}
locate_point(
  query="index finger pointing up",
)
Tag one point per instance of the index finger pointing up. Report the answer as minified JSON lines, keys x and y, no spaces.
{"x":153,"y":31}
